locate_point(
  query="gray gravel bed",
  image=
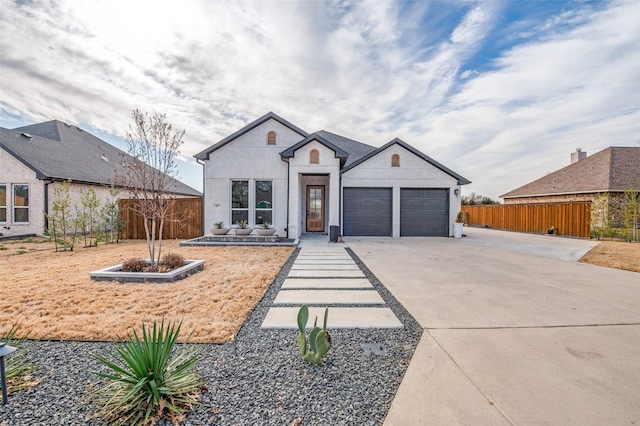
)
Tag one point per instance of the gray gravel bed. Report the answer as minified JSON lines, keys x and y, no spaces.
{"x":257,"y":380}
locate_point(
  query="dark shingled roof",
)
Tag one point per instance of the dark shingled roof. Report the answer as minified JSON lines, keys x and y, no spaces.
{"x":56,"y":150}
{"x":355,"y":149}
{"x":610,"y":170}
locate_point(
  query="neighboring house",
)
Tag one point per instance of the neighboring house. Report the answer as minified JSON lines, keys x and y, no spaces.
{"x":272,"y":171}
{"x":607,"y":172}
{"x":34,"y":159}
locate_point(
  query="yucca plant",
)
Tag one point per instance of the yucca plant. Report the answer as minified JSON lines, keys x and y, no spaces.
{"x":17,"y":368}
{"x":151,"y":377}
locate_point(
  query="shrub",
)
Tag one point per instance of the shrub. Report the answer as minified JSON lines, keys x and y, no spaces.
{"x":18,"y":369}
{"x":146,"y":382}
{"x":134,"y":265}
{"x":173,"y":260}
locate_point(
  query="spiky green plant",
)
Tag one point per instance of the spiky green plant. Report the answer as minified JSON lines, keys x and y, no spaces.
{"x":151,"y":377}
{"x":17,"y":368}
{"x":319,"y":341}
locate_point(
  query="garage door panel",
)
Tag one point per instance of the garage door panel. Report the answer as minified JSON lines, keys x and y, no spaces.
{"x":367,"y":211}
{"x":424,"y":212}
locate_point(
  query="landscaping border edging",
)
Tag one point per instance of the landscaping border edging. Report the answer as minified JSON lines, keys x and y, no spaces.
{"x":112,"y":273}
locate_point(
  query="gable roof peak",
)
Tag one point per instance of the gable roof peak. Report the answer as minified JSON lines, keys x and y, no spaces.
{"x":420,"y":154}
{"x":339,"y":153}
{"x":204,"y":155}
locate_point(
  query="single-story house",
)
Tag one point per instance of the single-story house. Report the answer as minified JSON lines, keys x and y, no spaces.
{"x":608,"y":172}
{"x":36,"y":158}
{"x":273,"y":171}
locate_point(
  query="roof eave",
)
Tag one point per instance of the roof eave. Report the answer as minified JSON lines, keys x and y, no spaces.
{"x":549,"y":194}
{"x":204,"y":155}
{"x":39,"y":174}
{"x":461,"y":180}
{"x":338,"y":153}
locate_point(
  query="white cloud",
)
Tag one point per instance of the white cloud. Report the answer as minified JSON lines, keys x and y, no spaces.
{"x":368,"y":70}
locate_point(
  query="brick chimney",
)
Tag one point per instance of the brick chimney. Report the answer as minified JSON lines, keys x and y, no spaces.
{"x":578,"y":155}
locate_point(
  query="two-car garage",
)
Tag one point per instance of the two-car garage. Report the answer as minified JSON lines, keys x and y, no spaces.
{"x":368,"y":211}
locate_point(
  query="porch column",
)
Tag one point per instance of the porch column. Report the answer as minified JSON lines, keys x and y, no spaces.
{"x":334,"y":198}
{"x":294,"y":205}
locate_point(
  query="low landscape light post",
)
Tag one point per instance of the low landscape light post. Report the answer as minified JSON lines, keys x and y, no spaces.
{"x":4,"y":350}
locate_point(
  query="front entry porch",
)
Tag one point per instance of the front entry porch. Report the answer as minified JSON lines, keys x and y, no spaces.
{"x":314,"y":205}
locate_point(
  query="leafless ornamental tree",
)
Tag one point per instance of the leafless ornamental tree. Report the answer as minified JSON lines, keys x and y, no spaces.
{"x":154,"y":147}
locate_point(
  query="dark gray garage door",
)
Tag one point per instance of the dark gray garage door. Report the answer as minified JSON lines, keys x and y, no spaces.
{"x":424,"y":212}
{"x":367,"y":211}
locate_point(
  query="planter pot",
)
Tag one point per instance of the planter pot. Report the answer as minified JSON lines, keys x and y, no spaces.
{"x":457,"y":230}
{"x":243,"y":231}
{"x":219,"y":231}
{"x":265,"y":232}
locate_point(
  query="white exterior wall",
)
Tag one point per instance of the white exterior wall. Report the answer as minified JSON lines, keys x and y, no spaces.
{"x":414,"y":172}
{"x":248,"y":158}
{"x":299,"y":165}
{"x":13,"y":172}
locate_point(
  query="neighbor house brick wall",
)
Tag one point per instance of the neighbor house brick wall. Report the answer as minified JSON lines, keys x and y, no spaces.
{"x":551,"y":199}
{"x":14,"y":172}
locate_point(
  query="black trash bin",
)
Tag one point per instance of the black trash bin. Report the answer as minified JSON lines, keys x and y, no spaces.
{"x":334,"y":233}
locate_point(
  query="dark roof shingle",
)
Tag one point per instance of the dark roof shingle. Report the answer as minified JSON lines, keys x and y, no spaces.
{"x":610,"y":170}
{"x":56,"y":150}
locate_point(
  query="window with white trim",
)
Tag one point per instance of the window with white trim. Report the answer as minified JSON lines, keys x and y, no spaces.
{"x":21,"y":203}
{"x":3,"y":202}
{"x":239,"y":201}
{"x":264,"y":202}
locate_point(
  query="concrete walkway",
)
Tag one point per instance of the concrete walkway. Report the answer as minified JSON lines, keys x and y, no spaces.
{"x":323,"y":275}
{"x":516,"y":331}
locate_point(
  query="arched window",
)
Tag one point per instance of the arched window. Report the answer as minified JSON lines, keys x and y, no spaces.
{"x":271,"y":138}
{"x":314,"y":156}
{"x":395,"y":160}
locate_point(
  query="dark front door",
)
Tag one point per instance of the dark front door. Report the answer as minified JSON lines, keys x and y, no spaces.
{"x":315,"y":208}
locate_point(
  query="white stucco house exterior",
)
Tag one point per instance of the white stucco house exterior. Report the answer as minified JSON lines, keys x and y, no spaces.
{"x":35,"y":159}
{"x":272,"y":171}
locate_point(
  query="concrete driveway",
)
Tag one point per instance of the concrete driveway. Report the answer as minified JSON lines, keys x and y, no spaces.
{"x":516,"y":330}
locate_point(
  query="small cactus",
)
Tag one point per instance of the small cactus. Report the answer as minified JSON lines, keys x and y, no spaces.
{"x":319,"y":341}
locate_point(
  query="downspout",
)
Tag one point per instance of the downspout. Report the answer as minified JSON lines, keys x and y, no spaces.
{"x":340,"y":202}
{"x":288,"y":174}
{"x":203,"y":195}
{"x":46,"y":205}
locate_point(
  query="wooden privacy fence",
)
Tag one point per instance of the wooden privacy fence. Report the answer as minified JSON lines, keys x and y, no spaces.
{"x":569,"y":219}
{"x":190,"y":209}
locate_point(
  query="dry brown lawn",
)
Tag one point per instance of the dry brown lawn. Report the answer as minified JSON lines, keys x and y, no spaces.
{"x":52,"y":297}
{"x":615,"y":254}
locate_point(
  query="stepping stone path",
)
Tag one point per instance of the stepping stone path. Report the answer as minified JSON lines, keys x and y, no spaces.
{"x":328,"y":276}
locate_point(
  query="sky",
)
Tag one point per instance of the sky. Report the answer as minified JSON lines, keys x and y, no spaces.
{"x":501,"y":92}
